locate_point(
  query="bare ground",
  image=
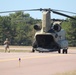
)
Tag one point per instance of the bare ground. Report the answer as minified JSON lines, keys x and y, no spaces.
{"x":36,"y":63}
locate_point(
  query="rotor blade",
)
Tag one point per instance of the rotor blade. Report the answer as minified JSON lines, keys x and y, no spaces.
{"x":63,"y":15}
{"x":22,"y":10}
{"x":64,"y":11}
{"x":58,"y":19}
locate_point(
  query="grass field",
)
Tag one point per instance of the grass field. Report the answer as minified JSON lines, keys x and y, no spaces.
{"x":67,"y":73}
{"x":23,"y":48}
{"x":17,"y":51}
{"x":17,"y":48}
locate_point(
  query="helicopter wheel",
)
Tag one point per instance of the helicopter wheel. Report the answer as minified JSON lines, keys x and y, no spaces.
{"x":33,"y":50}
{"x":64,"y":51}
{"x":59,"y":51}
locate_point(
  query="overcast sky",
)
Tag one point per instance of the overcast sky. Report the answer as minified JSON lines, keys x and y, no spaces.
{"x":9,"y":5}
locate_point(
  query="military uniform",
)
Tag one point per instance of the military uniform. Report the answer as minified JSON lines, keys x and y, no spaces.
{"x":6,"y":45}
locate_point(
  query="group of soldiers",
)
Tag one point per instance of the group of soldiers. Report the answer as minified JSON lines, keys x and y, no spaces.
{"x":6,"y":45}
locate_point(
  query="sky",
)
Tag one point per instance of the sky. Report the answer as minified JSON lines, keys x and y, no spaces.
{"x":67,"y":5}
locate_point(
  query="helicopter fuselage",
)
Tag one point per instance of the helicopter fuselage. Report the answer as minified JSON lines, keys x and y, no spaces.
{"x":51,"y":41}
{"x":49,"y":37}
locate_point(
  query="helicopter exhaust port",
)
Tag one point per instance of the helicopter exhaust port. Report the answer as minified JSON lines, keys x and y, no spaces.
{"x":57,"y":27}
{"x":37,"y":27}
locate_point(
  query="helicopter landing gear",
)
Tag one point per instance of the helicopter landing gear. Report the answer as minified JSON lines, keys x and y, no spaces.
{"x":64,"y":51}
{"x":34,"y":45}
{"x":33,"y":50}
{"x":59,"y":51}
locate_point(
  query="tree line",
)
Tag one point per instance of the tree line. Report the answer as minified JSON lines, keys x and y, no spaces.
{"x":70,"y":28}
{"x":18,"y":28}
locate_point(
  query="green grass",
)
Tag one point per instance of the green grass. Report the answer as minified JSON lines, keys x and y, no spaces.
{"x":67,"y":73}
{"x":16,"y":51}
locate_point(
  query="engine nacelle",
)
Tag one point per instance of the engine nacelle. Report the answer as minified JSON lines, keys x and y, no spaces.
{"x":37,"y":27}
{"x":57,"y":27}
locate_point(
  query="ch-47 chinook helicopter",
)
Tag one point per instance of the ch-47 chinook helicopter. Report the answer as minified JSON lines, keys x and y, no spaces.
{"x":50,"y":37}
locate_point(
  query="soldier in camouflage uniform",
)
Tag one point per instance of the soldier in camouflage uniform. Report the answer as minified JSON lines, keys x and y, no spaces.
{"x":6,"y":45}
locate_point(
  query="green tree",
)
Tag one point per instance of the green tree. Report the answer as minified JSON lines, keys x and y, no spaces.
{"x":70,"y":27}
{"x":18,"y":27}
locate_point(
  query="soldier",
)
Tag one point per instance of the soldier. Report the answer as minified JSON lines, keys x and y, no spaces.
{"x":6,"y":45}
